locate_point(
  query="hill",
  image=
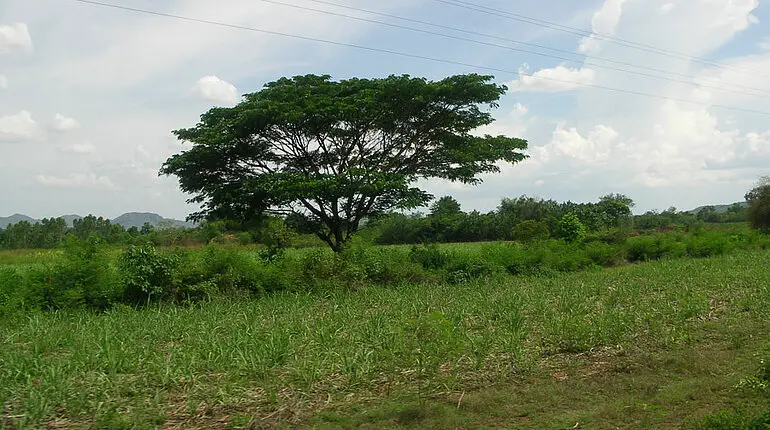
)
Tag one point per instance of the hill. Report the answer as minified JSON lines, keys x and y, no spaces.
{"x":13,"y":219}
{"x":130,"y":219}
{"x":137,"y":219}
{"x":720,"y":209}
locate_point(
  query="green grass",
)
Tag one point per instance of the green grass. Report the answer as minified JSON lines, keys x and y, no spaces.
{"x":633,"y":342}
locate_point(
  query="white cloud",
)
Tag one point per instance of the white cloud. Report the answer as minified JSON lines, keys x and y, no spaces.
{"x":594,"y":148}
{"x":63,"y":123}
{"x":764,"y":44}
{"x":516,"y":123}
{"x":3,"y":82}
{"x":214,"y":89}
{"x":603,"y":23}
{"x":557,"y":79}
{"x":78,"y":181}
{"x":14,"y":37}
{"x":80,"y":148}
{"x":20,"y":126}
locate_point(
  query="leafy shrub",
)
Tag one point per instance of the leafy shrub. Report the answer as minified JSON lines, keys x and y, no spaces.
{"x":462,"y":269}
{"x":147,"y":274}
{"x":428,"y":256}
{"x":320,"y":267}
{"x":232,"y":269}
{"x":276,"y":236}
{"x":613,"y":236}
{"x":530,"y":230}
{"x":384,"y":266}
{"x":570,"y":228}
{"x":85,"y":278}
{"x":707,"y":244}
{"x":605,"y":255}
{"x":647,"y":248}
{"x":570,"y":258}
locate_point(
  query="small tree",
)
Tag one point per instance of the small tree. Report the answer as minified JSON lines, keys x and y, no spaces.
{"x":335,"y":153}
{"x":758,"y":209}
{"x":570,"y":228}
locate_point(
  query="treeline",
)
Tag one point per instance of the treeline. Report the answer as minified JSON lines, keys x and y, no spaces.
{"x":528,"y":218}
{"x":52,"y":232}
{"x":522,"y":218}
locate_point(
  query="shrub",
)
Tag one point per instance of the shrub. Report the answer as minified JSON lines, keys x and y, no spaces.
{"x":276,"y":236}
{"x":604,"y":254}
{"x":566,"y":258}
{"x":85,"y":277}
{"x":428,"y":256}
{"x":320,"y":267}
{"x":464,"y":268}
{"x":231,"y":269}
{"x":708,"y":244}
{"x":646,"y":248}
{"x":383,"y":265}
{"x":147,"y":274}
{"x":614,"y":236}
{"x":530,"y":230}
{"x":570,"y":228}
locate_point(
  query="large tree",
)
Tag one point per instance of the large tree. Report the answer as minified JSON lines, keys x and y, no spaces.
{"x":335,"y":152}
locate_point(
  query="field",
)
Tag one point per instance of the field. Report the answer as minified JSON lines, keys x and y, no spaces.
{"x":677,"y":343}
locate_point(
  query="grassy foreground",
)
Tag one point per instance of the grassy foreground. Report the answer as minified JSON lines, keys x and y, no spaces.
{"x":654,"y":345}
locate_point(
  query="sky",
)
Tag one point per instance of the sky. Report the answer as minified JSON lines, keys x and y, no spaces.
{"x":666,"y":101}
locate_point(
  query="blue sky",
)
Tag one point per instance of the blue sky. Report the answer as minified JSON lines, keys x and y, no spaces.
{"x":89,"y":95}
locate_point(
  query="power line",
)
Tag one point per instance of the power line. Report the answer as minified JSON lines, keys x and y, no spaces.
{"x":534,"y":45}
{"x":572,"y":30}
{"x":465,"y":39}
{"x":407,"y":55}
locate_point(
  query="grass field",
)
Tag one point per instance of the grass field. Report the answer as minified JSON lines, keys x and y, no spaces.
{"x":653,"y":345}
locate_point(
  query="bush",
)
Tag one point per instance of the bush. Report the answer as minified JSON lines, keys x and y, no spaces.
{"x":231,"y":270}
{"x":463,"y":269}
{"x":708,"y":244}
{"x":85,"y":278}
{"x":383,"y":266}
{"x":530,"y":230}
{"x":604,"y":254}
{"x":428,"y":256}
{"x":321,"y":267}
{"x":647,"y":248}
{"x":147,"y":274}
{"x":276,"y":236}
{"x":570,"y":228}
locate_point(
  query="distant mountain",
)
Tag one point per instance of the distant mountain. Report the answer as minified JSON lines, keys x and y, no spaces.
{"x":13,"y":219}
{"x":70,"y":218}
{"x":720,"y":209}
{"x":131,"y":219}
{"x":137,"y":219}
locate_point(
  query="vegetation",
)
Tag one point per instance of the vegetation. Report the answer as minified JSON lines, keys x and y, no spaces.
{"x":650,"y":345}
{"x":335,"y":153}
{"x":758,"y":210}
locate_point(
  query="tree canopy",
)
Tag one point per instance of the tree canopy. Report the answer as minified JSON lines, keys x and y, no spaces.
{"x":336,"y":152}
{"x":758,"y":209}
